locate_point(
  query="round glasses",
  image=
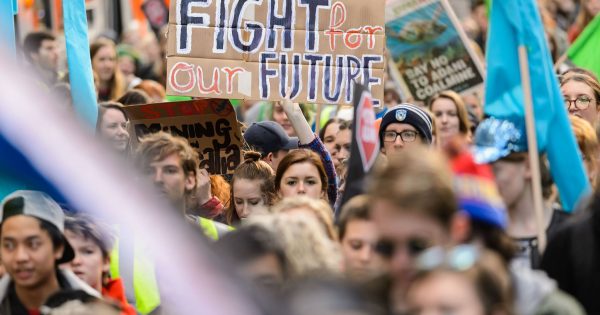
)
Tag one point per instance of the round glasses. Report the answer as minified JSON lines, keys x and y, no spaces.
{"x":581,"y":102}
{"x":406,"y":136}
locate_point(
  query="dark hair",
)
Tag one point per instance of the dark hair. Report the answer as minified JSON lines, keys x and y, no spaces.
{"x":33,"y":42}
{"x":356,"y":208}
{"x":301,"y":156}
{"x":345,"y":124}
{"x":248,"y":243}
{"x":327,"y":123}
{"x":252,"y":168}
{"x":494,"y":239}
{"x":134,"y":97}
{"x":105,"y":106}
{"x":87,"y":228}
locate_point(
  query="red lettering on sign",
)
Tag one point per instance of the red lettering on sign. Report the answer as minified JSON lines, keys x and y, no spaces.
{"x":231,"y":73}
{"x":371,"y":31}
{"x":214,"y":88}
{"x":353,"y":33}
{"x":335,"y":21}
{"x":179,"y":67}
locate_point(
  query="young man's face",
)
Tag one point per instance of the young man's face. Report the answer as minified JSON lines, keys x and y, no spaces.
{"x":27,"y":252}
{"x":406,"y":233}
{"x":396,"y":129}
{"x":358,"y":247}
{"x":47,"y":56}
{"x":170,"y":179}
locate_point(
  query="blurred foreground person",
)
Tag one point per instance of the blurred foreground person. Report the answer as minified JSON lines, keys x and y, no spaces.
{"x":308,"y":249}
{"x":460,"y":281}
{"x":32,"y":247}
{"x":40,"y":51}
{"x":77,"y":302}
{"x":405,"y":126}
{"x":252,"y":189}
{"x":316,"y":208}
{"x":413,"y":206}
{"x":358,"y":236}
{"x":92,"y":245}
{"x":257,"y":255}
{"x":112,"y":126}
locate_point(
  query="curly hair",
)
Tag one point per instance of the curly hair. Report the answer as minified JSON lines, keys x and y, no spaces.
{"x":158,"y":146}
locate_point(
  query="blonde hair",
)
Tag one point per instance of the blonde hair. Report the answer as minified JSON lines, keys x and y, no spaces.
{"x":117,"y":82}
{"x":319,"y":207}
{"x":306,"y":246}
{"x":587,"y":142}
{"x":464,"y":124}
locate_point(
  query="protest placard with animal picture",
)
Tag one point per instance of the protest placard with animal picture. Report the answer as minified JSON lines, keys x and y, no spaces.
{"x":258,"y":50}
{"x":429,"y":50}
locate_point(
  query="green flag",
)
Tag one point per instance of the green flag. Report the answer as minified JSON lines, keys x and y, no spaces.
{"x":584,"y":51}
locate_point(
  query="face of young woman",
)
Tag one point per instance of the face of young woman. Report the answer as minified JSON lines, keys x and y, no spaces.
{"x":247,"y":197}
{"x":280,"y":117}
{"x":114,"y":129}
{"x":446,"y":117}
{"x":105,"y":63}
{"x":573,"y":90}
{"x":329,"y":141}
{"x":301,"y":179}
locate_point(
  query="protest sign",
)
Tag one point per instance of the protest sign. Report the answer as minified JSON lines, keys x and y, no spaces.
{"x":429,"y":50}
{"x":259,"y":50}
{"x":209,"y":125}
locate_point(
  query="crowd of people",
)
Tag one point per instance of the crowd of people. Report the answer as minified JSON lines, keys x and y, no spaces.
{"x":445,"y":224}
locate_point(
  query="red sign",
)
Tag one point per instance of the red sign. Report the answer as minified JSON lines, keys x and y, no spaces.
{"x":366,"y":134}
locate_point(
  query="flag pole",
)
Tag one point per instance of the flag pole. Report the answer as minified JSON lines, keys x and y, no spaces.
{"x":534,"y":160}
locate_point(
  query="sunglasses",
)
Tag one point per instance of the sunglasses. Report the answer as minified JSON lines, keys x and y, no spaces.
{"x":414,"y":246}
{"x":459,"y":258}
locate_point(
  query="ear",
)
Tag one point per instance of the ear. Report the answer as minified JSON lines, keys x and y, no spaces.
{"x":190,"y":181}
{"x":460,"y":227}
{"x":527,"y":172}
{"x":106,"y":264}
{"x":58,"y":252}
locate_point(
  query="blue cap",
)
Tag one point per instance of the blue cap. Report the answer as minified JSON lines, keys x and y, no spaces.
{"x":498,"y":138}
{"x":269,"y":137}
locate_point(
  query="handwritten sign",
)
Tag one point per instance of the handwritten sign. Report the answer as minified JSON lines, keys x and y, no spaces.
{"x":261,"y":49}
{"x":209,"y":125}
{"x":430,"y":51}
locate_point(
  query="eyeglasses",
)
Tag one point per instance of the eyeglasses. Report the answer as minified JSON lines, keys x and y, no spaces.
{"x":406,"y":136}
{"x":581,"y":102}
{"x":459,"y":258}
{"x":414,"y":247}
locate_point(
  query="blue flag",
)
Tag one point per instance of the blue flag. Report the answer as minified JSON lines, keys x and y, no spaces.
{"x":7,"y":27}
{"x":81,"y":78}
{"x":514,"y":23}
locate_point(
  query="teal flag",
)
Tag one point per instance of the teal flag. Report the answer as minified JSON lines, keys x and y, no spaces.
{"x":514,"y":23}
{"x":15,"y":7}
{"x":7,"y":27}
{"x":81,"y":78}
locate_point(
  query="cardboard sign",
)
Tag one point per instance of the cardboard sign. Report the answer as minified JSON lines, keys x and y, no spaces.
{"x":209,"y":125}
{"x":430,"y":51}
{"x":264,"y":49}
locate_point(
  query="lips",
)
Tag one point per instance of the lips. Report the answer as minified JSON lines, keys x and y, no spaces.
{"x":23,"y":274}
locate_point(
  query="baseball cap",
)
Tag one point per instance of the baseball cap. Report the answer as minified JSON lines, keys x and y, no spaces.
{"x":497,"y":138}
{"x":269,"y":137}
{"x":41,"y":206}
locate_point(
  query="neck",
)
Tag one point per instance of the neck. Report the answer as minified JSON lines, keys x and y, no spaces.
{"x":34,"y":298}
{"x":522,"y":217}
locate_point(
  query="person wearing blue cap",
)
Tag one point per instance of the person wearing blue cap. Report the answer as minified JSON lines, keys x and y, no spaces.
{"x":503,"y":144}
{"x":271,"y":140}
{"x":405,"y":125}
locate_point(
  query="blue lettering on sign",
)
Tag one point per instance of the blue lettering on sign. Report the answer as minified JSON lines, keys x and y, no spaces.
{"x":296,"y":82}
{"x":186,"y":20}
{"x":239,"y":6}
{"x":265,"y":74}
{"x":327,"y":78}
{"x":283,"y":21}
{"x":353,"y":72}
{"x":312,"y":20}
{"x":368,"y":78}
{"x":313,"y":75}
{"x":221,"y":29}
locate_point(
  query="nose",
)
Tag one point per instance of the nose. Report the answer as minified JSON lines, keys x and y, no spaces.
{"x":157,"y":176}
{"x":444,"y":118}
{"x":398,"y":142}
{"x":76,"y":261}
{"x":401,"y":262}
{"x":243,"y":211}
{"x":366,"y":253}
{"x":301,"y":189}
{"x":22,"y":254}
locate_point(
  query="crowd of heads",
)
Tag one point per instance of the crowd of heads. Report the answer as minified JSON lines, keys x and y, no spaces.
{"x":444,"y":225}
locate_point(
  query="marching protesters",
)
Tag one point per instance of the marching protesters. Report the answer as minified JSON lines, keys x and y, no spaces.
{"x":41,"y":52}
{"x":33,"y":246}
{"x":405,"y":125}
{"x":271,"y":140}
{"x":92,"y":245}
{"x":111,"y":83}
{"x":252,"y":189}
{"x":317,"y":208}
{"x":451,"y":116}
{"x":112,"y":126}
{"x":358,"y":236}
{"x":503,"y":144}
{"x":582,"y":95}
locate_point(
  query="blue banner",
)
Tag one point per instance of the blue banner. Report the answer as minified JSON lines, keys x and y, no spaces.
{"x":514,"y":23}
{"x":7,"y":27}
{"x":80,"y":63}
{"x":15,"y":7}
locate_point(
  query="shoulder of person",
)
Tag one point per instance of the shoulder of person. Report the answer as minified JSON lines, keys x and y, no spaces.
{"x":559,"y":303}
{"x":77,"y":284}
